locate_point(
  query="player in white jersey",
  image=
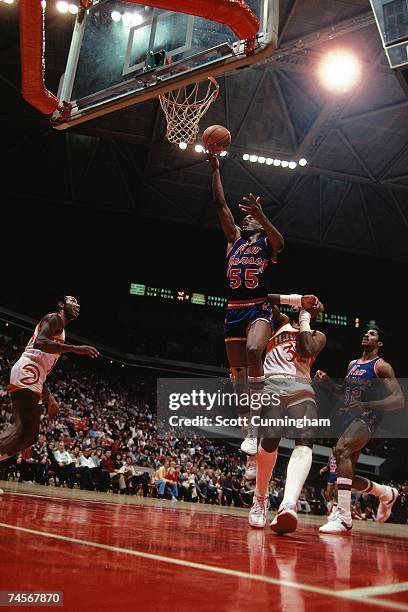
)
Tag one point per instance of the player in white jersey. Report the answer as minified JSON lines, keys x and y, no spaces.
{"x":28,"y":375}
{"x":290,"y":354}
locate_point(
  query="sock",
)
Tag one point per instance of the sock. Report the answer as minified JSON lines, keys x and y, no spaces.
{"x":376,"y":489}
{"x":344,"y":495}
{"x":256,"y":387}
{"x":265,"y":462}
{"x":298,"y":468}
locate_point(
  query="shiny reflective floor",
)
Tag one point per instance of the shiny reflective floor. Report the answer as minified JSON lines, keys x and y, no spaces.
{"x":117,"y":553}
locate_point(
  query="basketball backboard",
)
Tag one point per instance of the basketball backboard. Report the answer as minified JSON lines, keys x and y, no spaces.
{"x":122,"y":54}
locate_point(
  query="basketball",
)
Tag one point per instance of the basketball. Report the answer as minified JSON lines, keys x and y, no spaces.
{"x":216,"y":138}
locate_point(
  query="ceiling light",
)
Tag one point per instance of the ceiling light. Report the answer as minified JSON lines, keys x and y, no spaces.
{"x":292,"y":165}
{"x":127,"y":19}
{"x":302,"y":162}
{"x":116,"y":16}
{"x":261,"y":160}
{"x":276,"y":162}
{"x":137,"y":19}
{"x":62,"y":6}
{"x":183,"y":145}
{"x":269,"y":161}
{"x":73,"y":9}
{"x":245,"y":156}
{"x":253,"y":158}
{"x":339,"y":71}
{"x":285,"y":164}
{"x":223,"y":153}
{"x":199,"y":148}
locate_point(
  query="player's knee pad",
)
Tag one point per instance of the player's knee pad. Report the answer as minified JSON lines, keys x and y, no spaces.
{"x":238,"y":372}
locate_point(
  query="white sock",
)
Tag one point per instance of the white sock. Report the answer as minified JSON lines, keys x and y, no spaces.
{"x":298,"y":468}
{"x":265,"y":462}
{"x":344,"y":495}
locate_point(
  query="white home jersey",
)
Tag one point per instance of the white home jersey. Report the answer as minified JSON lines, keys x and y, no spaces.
{"x":282,"y":358}
{"x":31,"y":370}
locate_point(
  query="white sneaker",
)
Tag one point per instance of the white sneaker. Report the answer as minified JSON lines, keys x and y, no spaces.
{"x":386,"y":503}
{"x":285,"y":520}
{"x":258,"y":512}
{"x":250,"y":468}
{"x":338,"y":524}
{"x":250,"y":445}
{"x":332,"y":513}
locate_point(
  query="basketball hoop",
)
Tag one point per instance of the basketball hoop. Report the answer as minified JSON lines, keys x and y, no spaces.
{"x":184,"y":108}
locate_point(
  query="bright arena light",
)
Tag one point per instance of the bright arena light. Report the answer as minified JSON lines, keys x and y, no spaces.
{"x":62,"y":6}
{"x":302,"y":162}
{"x":339,"y":71}
{"x":245,"y":156}
{"x":199,"y":148}
{"x":269,"y":161}
{"x":292,"y":165}
{"x":223,"y":153}
{"x":137,"y":19}
{"x":8,"y":1}
{"x":253,"y":158}
{"x":261,"y":160}
{"x":183,"y":145}
{"x":116,"y":16}
{"x":285,"y":164}
{"x":276,"y":162}
{"x":73,"y":9}
{"x":127,"y":19}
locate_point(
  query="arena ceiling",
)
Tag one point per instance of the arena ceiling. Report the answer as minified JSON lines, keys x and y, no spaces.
{"x":352,"y":195}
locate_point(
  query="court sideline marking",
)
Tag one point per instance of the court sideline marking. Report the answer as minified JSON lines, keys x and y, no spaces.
{"x":213,"y":568}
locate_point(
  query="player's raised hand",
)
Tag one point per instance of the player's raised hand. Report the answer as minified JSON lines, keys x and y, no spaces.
{"x":213,"y":160}
{"x":88,"y":351}
{"x":252,"y":206}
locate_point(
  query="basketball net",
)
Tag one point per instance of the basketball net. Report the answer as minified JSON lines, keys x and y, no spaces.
{"x":184,"y":108}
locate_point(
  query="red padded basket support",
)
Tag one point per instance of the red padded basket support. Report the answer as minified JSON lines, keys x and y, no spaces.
{"x":32,"y":47}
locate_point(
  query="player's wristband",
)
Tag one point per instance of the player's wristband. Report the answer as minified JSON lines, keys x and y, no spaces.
{"x":294,"y":299}
{"x":304,"y":321}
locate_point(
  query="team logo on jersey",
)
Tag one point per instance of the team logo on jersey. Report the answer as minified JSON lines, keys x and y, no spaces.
{"x":34,"y":375}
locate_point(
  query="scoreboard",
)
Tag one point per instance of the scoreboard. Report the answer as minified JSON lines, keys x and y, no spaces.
{"x":184,"y":296}
{"x":178,"y":295}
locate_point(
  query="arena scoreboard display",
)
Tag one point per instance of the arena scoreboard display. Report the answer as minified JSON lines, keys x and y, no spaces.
{"x":178,"y":295}
{"x":216,"y":301}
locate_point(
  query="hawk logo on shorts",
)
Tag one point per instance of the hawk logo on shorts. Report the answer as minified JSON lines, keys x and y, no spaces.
{"x":34,"y":375}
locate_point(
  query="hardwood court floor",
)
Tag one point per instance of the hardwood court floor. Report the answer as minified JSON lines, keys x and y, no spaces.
{"x":113,"y":553}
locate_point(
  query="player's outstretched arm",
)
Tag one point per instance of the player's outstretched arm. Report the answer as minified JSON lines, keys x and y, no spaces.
{"x":51,"y":325}
{"x":252,"y":206}
{"x":294,"y":299}
{"x":329,"y":384}
{"x":227,"y":222}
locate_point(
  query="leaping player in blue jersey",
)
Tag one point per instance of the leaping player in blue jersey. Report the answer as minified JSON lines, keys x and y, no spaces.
{"x":364,"y":403}
{"x":251,"y":253}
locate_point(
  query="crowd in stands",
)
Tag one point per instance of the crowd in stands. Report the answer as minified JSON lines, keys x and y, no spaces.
{"x":105,"y":439}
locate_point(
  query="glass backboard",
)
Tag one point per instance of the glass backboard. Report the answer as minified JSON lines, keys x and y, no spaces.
{"x":123,"y":53}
